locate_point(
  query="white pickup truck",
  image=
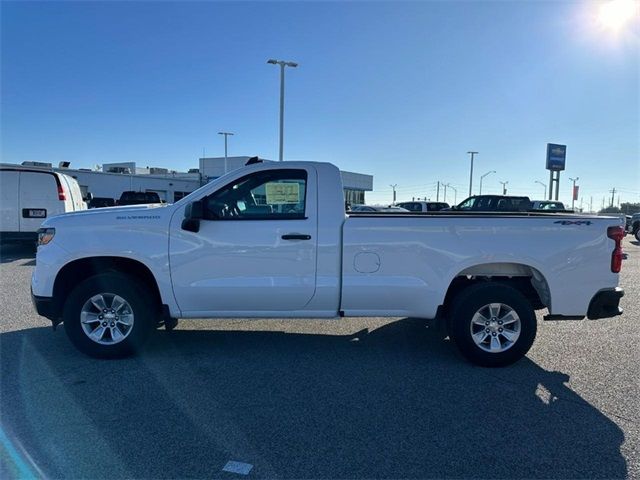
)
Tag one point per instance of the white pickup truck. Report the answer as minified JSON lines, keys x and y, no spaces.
{"x":273,"y":240}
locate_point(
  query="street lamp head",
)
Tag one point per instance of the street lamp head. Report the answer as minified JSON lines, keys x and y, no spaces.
{"x":225,"y":133}
{"x":282,"y":63}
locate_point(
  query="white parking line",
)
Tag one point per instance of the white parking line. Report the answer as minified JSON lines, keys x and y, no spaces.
{"x":237,"y":467}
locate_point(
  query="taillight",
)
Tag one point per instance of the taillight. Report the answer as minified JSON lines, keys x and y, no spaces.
{"x":616,"y":234}
{"x":61,"y":195}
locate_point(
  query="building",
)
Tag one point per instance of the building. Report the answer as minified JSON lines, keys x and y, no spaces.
{"x":115,"y":178}
{"x":111,"y":179}
{"x":355,"y":184}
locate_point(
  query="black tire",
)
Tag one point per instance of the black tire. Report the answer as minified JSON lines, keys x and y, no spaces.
{"x":473,"y":299}
{"x":637,"y":235}
{"x":133,"y":292}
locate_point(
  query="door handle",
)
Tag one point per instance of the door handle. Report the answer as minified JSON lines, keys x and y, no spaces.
{"x":296,"y":236}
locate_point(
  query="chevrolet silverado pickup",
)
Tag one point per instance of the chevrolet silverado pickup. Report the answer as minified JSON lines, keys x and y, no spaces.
{"x":273,"y":240}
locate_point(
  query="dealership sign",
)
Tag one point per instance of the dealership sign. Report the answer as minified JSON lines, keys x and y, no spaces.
{"x":556,"y":156}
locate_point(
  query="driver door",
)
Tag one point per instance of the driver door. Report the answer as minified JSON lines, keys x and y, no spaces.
{"x":255,"y":249}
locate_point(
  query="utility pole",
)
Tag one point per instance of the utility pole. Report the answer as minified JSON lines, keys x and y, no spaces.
{"x":545,"y":187}
{"x":445,"y":192}
{"x":226,"y":134}
{"x":473,"y":154}
{"x":199,"y":169}
{"x":613,"y":194}
{"x":282,"y":64}
{"x":394,"y":192}
{"x":438,"y":192}
{"x":573,"y":191}
{"x":482,"y":177}
{"x":455,"y":193}
{"x":504,"y":187}
{"x":591,"y":204}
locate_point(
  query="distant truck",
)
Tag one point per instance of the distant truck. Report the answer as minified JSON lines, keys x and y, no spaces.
{"x":29,"y":195}
{"x":423,"y":206}
{"x":494,"y":203}
{"x":273,"y":240}
{"x":548,"y":205}
{"x":138,"y":198}
{"x":101,"y":202}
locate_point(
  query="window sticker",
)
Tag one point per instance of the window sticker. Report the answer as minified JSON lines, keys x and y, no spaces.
{"x":282,"y":193}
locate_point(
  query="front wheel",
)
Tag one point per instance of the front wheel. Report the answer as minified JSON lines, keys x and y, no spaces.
{"x":109,"y":316}
{"x":493,"y":325}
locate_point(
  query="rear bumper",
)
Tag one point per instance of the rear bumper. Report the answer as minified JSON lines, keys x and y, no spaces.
{"x":18,"y":237}
{"x":605,"y":304}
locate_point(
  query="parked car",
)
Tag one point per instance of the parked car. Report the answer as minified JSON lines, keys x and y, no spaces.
{"x":494,"y":203}
{"x":378,"y":209}
{"x":100,"y":202}
{"x":547,"y":205}
{"x":29,"y":195}
{"x":272,"y":240}
{"x":635,"y":225}
{"x":138,"y":198}
{"x":421,"y":206}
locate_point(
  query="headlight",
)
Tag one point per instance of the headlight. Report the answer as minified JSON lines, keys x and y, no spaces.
{"x":45,"y":235}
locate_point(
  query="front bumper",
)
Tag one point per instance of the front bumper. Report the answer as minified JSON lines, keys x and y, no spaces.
{"x":605,"y":304}
{"x":46,"y":307}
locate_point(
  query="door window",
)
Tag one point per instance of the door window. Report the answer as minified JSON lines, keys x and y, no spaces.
{"x":268,"y":195}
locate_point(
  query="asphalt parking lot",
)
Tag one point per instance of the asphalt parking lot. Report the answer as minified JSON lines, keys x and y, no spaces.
{"x":356,"y":398}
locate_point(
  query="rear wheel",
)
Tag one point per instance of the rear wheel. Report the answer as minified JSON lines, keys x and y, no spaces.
{"x":493,"y":325}
{"x":109,"y":316}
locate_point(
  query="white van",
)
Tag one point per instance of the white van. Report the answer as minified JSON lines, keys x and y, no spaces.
{"x":28,"y":195}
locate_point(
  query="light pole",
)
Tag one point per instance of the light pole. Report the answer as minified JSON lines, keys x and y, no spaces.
{"x":226,"y":134}
{"x":445,"y":193}
{"x":455,"y":193}
{"x":573,"y":191}
{"x":482,"y":177}
{"x":473,"y":154}
{"x":394,"y":192}
{"x":545,"y":187}
{"x":282,"y":64}
{"x":504,"y":187}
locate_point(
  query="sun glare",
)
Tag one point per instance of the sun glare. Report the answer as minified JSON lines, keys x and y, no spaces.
{"x":615,"y":14}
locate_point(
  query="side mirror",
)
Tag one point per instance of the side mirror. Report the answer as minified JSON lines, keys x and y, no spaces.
{"x":89,"y":197}
{"x":193,"y":213}
{"x":194,"y":210}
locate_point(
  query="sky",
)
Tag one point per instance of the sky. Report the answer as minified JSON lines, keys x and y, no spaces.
{"x":399,"y":90}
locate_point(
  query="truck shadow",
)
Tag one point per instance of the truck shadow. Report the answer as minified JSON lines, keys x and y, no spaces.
{"x":390,"y":403}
